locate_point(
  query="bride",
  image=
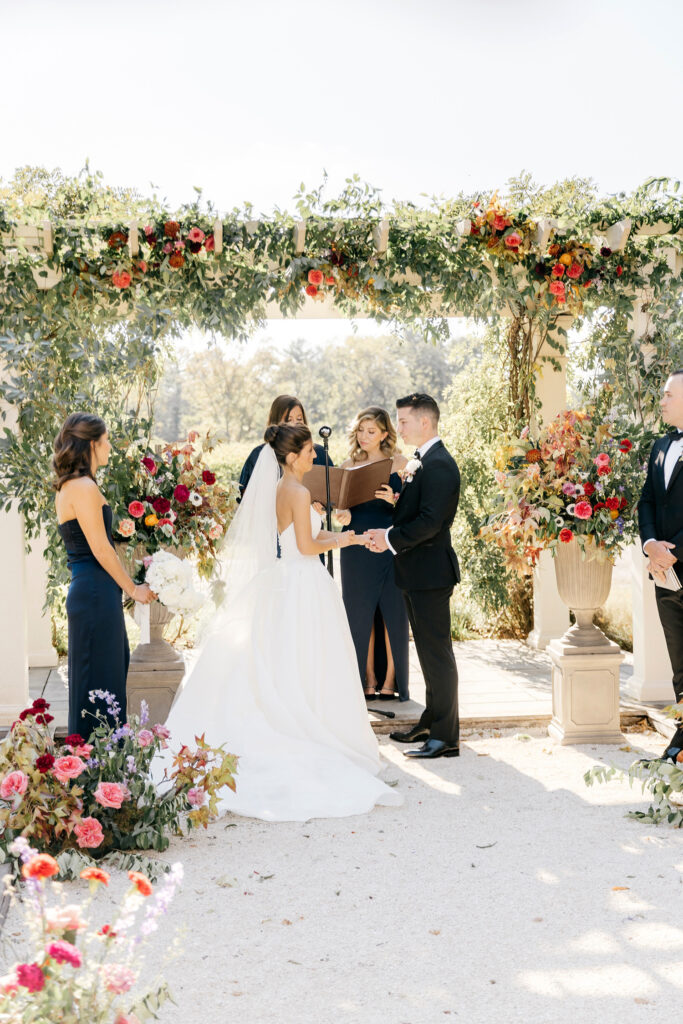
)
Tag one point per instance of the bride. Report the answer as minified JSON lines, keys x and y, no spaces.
{"x":276,"y":680}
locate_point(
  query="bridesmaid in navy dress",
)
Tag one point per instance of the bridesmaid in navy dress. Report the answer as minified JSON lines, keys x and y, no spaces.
{"x":374,"y":604}
{"x":98,"y":653}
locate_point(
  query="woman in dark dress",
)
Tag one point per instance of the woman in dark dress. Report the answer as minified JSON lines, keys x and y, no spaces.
{"x":374,"y":605}
{"x":285,"y":409}
{"x":98,"y":653}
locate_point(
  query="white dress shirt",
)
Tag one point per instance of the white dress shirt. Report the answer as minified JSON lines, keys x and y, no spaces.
{"x":673,"y":454}
{"x":420,"y":452}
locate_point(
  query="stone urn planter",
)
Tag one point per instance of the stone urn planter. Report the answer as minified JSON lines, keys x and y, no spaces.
{"x":585,"y":664}
{"x":156,"y":668}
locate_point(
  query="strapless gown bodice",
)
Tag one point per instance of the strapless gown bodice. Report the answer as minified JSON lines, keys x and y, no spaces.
{"x":289,"y":552}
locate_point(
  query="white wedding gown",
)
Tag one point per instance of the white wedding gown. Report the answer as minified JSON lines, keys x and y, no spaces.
{"x":276,"y":682}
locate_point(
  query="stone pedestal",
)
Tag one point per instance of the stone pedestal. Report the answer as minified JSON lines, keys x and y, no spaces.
{"x":156,"y":669}
{"x":551,"y":615}
{"x":585,"y":693}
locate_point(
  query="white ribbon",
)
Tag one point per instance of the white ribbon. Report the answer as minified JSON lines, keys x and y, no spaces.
{"x":141,"y":616}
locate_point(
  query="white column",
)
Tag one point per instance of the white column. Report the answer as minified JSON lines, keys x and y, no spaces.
{"x":551,"y":615}
{"x":652,"y":672}
{"x":41,"y":653}
{"x":13,"y":647}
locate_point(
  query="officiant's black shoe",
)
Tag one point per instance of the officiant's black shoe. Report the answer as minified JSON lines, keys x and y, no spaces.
{"x":432,"y":749}
{"x":414,"y":735}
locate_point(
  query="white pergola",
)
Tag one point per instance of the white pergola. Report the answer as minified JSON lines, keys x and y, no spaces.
{"x":25,"y":632}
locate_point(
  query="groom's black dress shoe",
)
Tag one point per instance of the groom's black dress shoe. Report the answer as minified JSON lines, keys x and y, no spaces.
{"x":433,"y":748}
{"x":414,"y":735}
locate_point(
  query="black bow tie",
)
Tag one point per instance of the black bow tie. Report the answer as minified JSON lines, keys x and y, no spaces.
{"x":676,"y":435}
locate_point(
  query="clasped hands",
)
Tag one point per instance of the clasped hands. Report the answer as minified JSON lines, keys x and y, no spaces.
{"x":660,"y":558}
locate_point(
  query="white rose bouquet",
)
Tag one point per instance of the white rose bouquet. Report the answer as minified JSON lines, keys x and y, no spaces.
{"x":172,"y":580}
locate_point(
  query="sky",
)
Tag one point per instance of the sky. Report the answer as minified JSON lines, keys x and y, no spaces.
{"x":249,"y":99}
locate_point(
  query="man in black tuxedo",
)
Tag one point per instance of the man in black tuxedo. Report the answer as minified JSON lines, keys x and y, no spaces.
{"x":426,"y":569}
{"x":660,"y":516}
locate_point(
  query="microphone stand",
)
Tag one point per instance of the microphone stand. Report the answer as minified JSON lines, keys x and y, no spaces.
{"x":325,"y":434}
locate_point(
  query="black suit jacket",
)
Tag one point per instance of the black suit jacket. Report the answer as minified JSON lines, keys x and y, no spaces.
{"x":423,"y":515}
{"x":660,"y":509}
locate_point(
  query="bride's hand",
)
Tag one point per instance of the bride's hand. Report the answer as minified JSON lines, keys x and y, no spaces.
{"x":342,"y":516}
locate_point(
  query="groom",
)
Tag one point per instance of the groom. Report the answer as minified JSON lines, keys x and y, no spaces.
{"x":426,"y":569}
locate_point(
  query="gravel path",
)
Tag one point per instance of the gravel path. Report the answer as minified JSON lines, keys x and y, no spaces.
{"x":503,"y":889}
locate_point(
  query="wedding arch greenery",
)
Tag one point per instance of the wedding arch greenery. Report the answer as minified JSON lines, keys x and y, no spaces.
{"x":126,"y":274}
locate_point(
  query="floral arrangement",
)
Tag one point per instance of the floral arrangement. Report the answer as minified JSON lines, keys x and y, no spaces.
{"x":173,"y":500}
{"x":662,"y":778}
{"x":579,"y":479}
{"x":570,"y":267}
{"x":79,"y":972}
{"x":505,"y":235}
{"x":172,"y":580}
{"x":86,"y":799}
{"x":164,"y":247}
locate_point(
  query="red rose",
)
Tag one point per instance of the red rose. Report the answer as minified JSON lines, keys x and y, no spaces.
{"x":499,"y":222}
{"x":588,"y":489}
{"x":513,"y":240}
{"x":311,"y":290}
{"x":120,"y":279}
{"x":315,"y":277}
{"x":620,"y":270}
{"x":181,"y":493}
{"x":558,"y":270}
{"x":474,"y":230}
{"x":599,"y":505}
{"x":576,"y":270}
{"x":150,"y":465}
{"x":583,"y":510}
{"x":44,"y":763}
{"x":612,"y":504}
{"x":625,"y":445}
{"x":210,"y":243}
{"x":136,"y":509}
{"x":161,"y":506}
{"x":74,"y":740}
{"x":557,"y":289}
{"x":566,"y":535}
{"x":604,"y":471}
{"x":208,"y":477}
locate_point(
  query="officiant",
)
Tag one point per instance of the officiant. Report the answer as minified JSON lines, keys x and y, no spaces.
{"x":285,"y":409}
{"x":374,"y":605}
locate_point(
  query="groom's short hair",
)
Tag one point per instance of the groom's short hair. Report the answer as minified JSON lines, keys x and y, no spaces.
{"x":420,"y":403}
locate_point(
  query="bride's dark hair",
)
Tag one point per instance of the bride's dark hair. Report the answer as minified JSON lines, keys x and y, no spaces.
{"x":286,"y":439}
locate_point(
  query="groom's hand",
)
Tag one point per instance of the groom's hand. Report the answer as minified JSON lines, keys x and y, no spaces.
{"x":376,"y":540}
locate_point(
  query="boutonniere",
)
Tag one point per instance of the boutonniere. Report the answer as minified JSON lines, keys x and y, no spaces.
{"x":410,"y":469}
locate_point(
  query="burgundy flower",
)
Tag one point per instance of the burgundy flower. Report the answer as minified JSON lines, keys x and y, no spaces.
{"x":149,"y":464}
{"x":194,"y":246}
{"x":605,"y":251}
{"x":161,"y":506}
{"x":44,"y":719}
{"x":208,"y":477}
{"x":44,"y":763}
{"x":152,"y":240}
{"x":26,"y":713}
{"x":40,"y":704}
{"x":540,"y":269}
{"x":181,"y":493}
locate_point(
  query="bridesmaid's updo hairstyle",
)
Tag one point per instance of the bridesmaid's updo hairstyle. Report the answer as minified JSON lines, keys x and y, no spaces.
{"x":72,"y":447}
{"x":286,"y":439}
{"x":281,"y":408}
{"x":381,"y":417}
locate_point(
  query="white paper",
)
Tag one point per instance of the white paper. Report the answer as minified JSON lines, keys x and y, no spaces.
{"x":671,"y":581}
{"x":141,"y":616}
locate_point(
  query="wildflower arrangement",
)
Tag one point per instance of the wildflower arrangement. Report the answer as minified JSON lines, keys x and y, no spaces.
{"x":503,"y":233}
{"x":570,"y":267}
{"x":580,"y":478}
{"x":87,"y":799}
{"x":80,"y":971}
{"x":172,"y":500}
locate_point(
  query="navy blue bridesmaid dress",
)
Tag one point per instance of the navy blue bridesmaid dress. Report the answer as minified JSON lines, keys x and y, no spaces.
{"x":98,"y":654}
{"x":371,"y":595}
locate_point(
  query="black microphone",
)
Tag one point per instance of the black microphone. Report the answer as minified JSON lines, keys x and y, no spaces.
{"x":325,"y":432}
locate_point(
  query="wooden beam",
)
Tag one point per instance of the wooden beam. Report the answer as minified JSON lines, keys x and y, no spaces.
{"x":218,"y":235}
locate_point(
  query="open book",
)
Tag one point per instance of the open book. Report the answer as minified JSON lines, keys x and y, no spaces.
{"x":670,"y":582}
{"x":348,"y":487}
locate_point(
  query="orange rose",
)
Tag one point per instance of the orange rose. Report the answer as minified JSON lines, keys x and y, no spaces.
{"x":151,"y":520}
{"x":40,"y":866}
{"x":171,"y":228}
{"x":141,"y":883}
{"x":315,"y":277}
{"x":311,"y":290}
{"x":566,"y":259}
{"x":95,"y":875}
{"x":177,"y":260}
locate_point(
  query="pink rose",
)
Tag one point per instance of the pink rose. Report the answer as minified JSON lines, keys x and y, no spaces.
{"x":30,"y":976}
{"x":136,"y":509}
{"x":110,"y":794}
{"x":513,"y":240}
{"x":179,"y":245}
{"x":69,"y":767}
{"x":196,"y":797}
{"x":145,"y":737}
{"x":162,"y":732}
{"x":583,"y":510}
{"x":557,"y":289}
{"x":126,"y":528}
{"x":15,"y":782}
{"x":168,"y":247}
{"x":64,"y":953}
{"x":117,"y":978}
{"x":83,"y":750}
{"x":64,"y":919}
{"x":602,"y":459}
{"x":216,"y":531}
{"x":196,"y":235}
{"x":147,"y":561}
{"x":89,"y":833}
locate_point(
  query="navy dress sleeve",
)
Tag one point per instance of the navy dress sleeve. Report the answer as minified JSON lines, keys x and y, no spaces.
{"x":248,"y":468}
